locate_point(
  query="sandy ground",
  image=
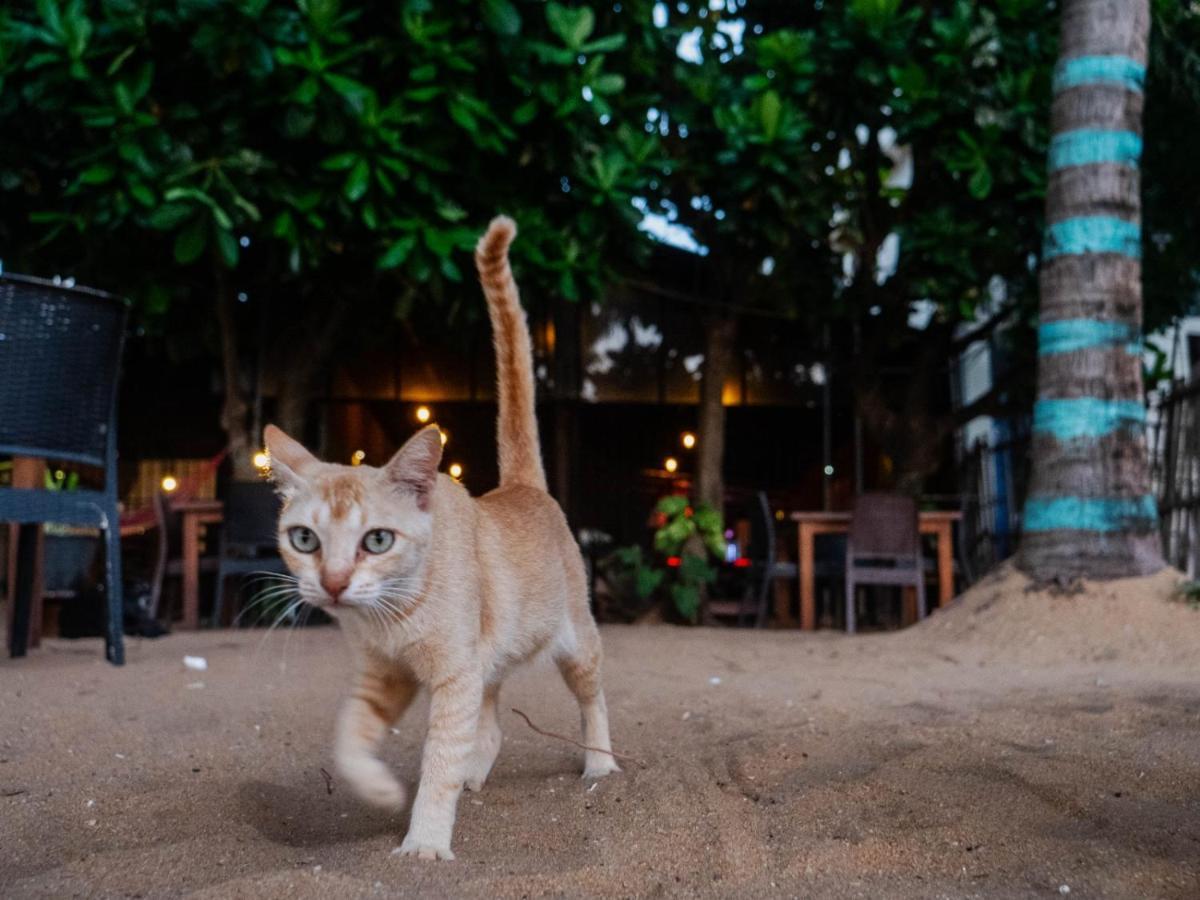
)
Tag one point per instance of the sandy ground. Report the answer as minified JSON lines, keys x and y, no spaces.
{"x":1015,"y":745}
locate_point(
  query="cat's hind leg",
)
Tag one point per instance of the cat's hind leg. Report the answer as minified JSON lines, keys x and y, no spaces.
{"x":378,"y":700}
{"x":487,"y":741}
{"x":578,"y":656}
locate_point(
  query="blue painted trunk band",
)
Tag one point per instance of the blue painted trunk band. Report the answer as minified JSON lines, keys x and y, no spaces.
{"x":1103,"y":514}
{"x":1069,"y":335}
{"x":1088,"y":418}
{"x":1087,"y":146}
{"x":1120,"y":70}
{"x":1093,"y":234}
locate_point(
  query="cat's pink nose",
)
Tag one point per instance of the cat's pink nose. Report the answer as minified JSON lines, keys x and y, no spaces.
{"x":334,"y":583}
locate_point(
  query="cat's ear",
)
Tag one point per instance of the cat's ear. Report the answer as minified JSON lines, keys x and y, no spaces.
{"x":414,"y":467}
{"x":289,"y":459}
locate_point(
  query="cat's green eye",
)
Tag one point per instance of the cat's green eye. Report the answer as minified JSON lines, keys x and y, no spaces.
{"x":379,"y":540}
{"x":303,"y":540}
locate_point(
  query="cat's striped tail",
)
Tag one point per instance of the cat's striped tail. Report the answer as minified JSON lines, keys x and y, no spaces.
{"x":517,"y":430}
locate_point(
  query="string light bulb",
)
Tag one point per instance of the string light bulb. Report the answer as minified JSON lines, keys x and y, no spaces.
{"x":688,"y":440}
{"x":169,"y":483}
{"x":456,"y":471}
{"x":262,"y":460}
{"x":671,"y":464}
{"x":444,"y":435}
{"x":357,"y":457}
{"x":424,"y":414}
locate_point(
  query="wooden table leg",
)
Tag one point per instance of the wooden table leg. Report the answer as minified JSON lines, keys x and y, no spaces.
{"x":808,"y":593}
{"x":945,"y":557}
{"x":191,"y":572}
{"x":27,"y":472}
{"x":22,"y":599}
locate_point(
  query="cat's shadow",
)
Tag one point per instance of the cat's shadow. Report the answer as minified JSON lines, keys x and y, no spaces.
{"x":297,"y":817}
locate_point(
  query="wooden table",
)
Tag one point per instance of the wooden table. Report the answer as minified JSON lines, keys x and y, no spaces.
{"x":194,"y":515}
{"x":939,"y":523}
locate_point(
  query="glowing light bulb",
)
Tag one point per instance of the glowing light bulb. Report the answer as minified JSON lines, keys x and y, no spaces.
{"x":262,"y":460}
{"x":456,"y":471}
{"x":688,"y":440}
{"x":444,"y":435}
{"x":423,"y":414}
{"x":357,"y":457}
{"x":169,"y":483}
{"x":671,"y":464}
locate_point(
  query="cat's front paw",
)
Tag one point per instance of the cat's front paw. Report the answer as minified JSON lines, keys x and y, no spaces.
{"x":424,"y":849}
{"x":372,"y":782}
{"x":600,"y":767}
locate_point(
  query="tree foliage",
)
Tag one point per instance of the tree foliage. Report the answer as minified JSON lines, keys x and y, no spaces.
{"x":874,"y":167}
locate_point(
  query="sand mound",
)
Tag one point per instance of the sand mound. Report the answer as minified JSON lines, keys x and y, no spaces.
{"x":1134,"y":619}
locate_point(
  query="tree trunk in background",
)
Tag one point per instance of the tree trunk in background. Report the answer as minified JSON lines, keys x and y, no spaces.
{"x":1090,"y":510}
{"x":719,"y":337}
{"x":235,"y":412}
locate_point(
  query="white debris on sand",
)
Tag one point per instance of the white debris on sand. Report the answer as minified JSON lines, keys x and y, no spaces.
{"x":196,"y":663}
{"x":715,"y":679}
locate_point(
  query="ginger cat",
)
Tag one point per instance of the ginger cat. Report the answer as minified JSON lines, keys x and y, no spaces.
{"x":439,"y":589}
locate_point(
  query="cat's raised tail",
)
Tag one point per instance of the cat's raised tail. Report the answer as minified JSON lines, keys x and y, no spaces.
{"x":517,"y":431}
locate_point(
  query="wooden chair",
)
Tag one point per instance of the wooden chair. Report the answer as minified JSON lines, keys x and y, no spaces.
{"x":169,"y":562}
{"x":884,"y":548}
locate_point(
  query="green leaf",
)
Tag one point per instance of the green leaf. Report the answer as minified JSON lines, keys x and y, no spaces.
{"x":396,"y":254}
{"x":770,"y":108}
{"x":574,"y":26}
{"x":357,"y":181}
{"x":646,"y":581}
{"x":609,"y":83}
{"x":227,"y":246}
{"x":100,"y":173}
{"x":142,"y":194}
{"x":191,"y":241}
{"x":980,"y":184}
{"x":168,"y":216}
{"x":686,"y":599}
{"x":604,"y":44}
{"x":340,"y":161}
{"x":696,"y":570}
{"x":525,"y":113}
{"x":672,"y":506}
{"x":501,"y":16}
{"x":549,"y":53}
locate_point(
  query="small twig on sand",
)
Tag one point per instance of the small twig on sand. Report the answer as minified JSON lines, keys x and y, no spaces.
{"x":16,"y":793}
{"x":563,"y":737}
{"x":328,"y":782}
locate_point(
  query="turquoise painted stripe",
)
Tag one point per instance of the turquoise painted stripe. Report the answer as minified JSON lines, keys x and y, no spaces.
{"x":1069,"y":335}
{"x":1093,"y":234}
{"x":1087,"y":146}
{"x":1089,"y":513}
{"x":1075,"y":418}
{"x":1120,"y":70}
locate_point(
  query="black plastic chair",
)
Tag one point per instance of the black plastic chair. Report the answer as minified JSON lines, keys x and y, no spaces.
{"x":249,"y":542}
{"x":884,"y":548}
{"x":60,"y":357}
{"x":752,"y":605}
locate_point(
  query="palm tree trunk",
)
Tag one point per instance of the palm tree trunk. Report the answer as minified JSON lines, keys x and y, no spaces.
{"x":1090,"y":510}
